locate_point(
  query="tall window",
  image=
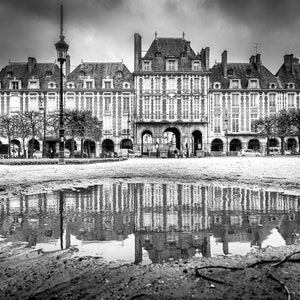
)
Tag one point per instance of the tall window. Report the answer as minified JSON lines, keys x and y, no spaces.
{"x":33,"y":102}
{"x":171,"y":65}
{"x":253,"y":83}
{"x":217,"y":123}
{"x":157,"y":108}
{"x":70,"y":101}
{"x":147,"y":84}
{"x":290,"y":100}
{"x":171,"y":108}
{"x":253,"y":119}
{"x":196,"y":107}
{"x":107,"y":85}
{"x":15,"y":85}
{"x":185,"y":85}
{"x":157,"y":84}
{"x":89,"y":103}
{"x":235,"y":100}
{"x":52,"y":104}
{"x":89,"y":84}
{"x":126,"y":104}
{"x":253,"y":100}
{"x":272,"y":100}
{"x":146,"y":65}
{"x":147,"y":107}
{"x":217,"y":100}
{"x":235,"y":122}
{"x":235,"y":83}
{"x":196,"y":84}
{"x":107,"y":104}
{"x":171,"y":84}
{"x":196,"y":65}
{"x":185,"y":107}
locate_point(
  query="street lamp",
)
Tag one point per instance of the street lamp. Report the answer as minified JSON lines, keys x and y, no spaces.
{"x":43,"y":109}
{"x":226,"y":131}
{"x":61,"y":48}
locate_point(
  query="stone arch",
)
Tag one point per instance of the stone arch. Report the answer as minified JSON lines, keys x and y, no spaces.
{"x":217,"y":145}
{"x":197,"y":141}
{"x":68,"y":144}
{"x":107,"y":146}
{"x":15,"y":148}
{"x":273,"y":142}
{"x":254,"y":144}
{"x":89,"y":146}
{"x":172,"y":137}
{"x":291,"y":144}
{"x":126,"y":144}
{"x":235,"y":145}
{"x":147,"y":142}
{"x":33,"y":144}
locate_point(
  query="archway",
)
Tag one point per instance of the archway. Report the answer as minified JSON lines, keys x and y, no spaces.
{"x":126,"y":144}
{"x":68,"y":145}
{"x":33,"y":145}
{"x":235,"y":145}
{"x":107,"y":147}
{"x":254,"y":144}
{"x":147,"y":142}
{"x":172,"y":137}
{"x":197,"y":141}
{"x":217,"y":145}
{"x":89,"y":147}
{"x":15,"y":148}
{"x":291,"y":144}
{"x":273,"y":143}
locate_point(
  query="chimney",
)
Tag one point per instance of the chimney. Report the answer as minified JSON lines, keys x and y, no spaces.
{"x":224,"y":63}
{"x":288,"y":62}
{"x":68,"y":64}
{"x":258,"y":59}
{"x":188,"y":47}
{"x":137,"y":50}
{"x":207,"y":57}
{"x":31,"y":64}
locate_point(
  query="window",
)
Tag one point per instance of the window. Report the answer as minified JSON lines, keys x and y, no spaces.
{"x":147,"y":84}
{"x":171,"y":108}
{"x":81,"y":73}
{"x":107,"y":84}
{"x":196,"y":84}
{"x":253,"y":83}
{"x":171,"y":83}
{"x":48,"y":73}
{"x":171,"y":65}
{"x":217,"y":123}
{"x":89,"y":84}
{"x":33,"y":84}
{"x":235,"y":100}
{"x":253,"y":100}
{"x":290,"y":100}
{"x":196,"y":65}
{"x":272,"y":85}
{"x":185,"y":108}
{"x":33,"y":102}
{"x":52,"y":85}
{"x":196,"y":107}
{"x":254,"y":117}
{"x":235,"y":122}
{"x":157,"y":84}
{"x":185,"y":85}
{"x":272,"y":100}
{"x":217,"y":85}
{"x":126,"y":85}
{"x":52,"y":104}
{"x":15,"y":85}
{"x":89,"y":102}
{"x":217,"y":100}
{"x":119,"y":74}
{"x":70,"y":85}
{"x":107,"y":104}
{"x":147,"y":107}
{"x":235,"y":83}
{"x":146,"y":65}
{"x":230,"y":72}
{"x":14,"y":102}
{"x":125,"y":104}
{"x":70,"y":101}
{"x":248,"y":72}
{"x":157,"y":108}
{"x":290,"y":85}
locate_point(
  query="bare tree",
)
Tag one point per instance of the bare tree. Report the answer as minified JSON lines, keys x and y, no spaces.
{"x":295,"y":120}
{"x":22,"y":129}
{"x":8,"y":129}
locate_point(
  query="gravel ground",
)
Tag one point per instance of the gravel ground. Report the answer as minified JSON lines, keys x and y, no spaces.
{"x":29,"y":274}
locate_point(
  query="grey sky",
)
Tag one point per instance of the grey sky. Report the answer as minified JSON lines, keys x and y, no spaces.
{"x":102,"y":30}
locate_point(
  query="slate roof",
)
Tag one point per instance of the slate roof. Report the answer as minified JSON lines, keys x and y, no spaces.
{"x":239,"y":71}
{"x":100,"y":71}
{"x":288,"y":76}
{"x":22,"y":72}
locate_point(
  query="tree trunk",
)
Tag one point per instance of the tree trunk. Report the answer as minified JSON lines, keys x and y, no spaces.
{"x":282,"y":145}
{"x":24,"y":151}
{"x":72,"y":147}
{"x":9,"y":146}
{"x":268,"y":145}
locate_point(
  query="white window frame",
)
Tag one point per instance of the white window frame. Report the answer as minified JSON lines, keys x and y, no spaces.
{"x":253,"y":83}
{"x":217,"y":123}
{"x":172,"y":108}
{"x":185,"y":84}
{"x":52,"y":103}
{"x":105,"y":81}
{"x":172,"y":84}
{"x":107,"y":104}
{"x":290,"y":100}
{"x":146,"y":65}
{"x":185,"y":107}
{"x":172,"y":65}
{"x":70,"y":101}
{"x":196,"y":65}
{"x":157,"y":108}
{"x":272,"y":100}
{"x":254,"y":100}
{"x":235,"y":122}
{"x":235,"y":100}
{"x":235,"y":84}
{"x":147,"y":107}
{"x":217,"y":100}
{"x":197,"y":107}
{"x":33,"y":83}
{"x":33,"y":102}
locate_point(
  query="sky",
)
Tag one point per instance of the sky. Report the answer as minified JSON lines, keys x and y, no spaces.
{"x":103,"y":30}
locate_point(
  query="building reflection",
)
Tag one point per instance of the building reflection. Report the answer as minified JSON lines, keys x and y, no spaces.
{"x":169,"y":221}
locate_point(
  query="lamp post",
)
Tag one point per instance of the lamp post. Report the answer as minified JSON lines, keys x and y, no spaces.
{"x":43,"y":109}
{"x":226,"y":131}
{"x":61,"y":48}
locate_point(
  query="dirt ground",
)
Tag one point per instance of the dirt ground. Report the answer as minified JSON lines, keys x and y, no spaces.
{"x":269,"y":273}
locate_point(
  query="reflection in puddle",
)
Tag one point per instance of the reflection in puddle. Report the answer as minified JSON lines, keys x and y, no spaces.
{"x":137,"y":222}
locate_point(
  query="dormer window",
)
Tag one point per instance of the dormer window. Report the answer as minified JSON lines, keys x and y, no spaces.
{"x":33,"y":84}
{"x":217,"y":85}
{"x":119,"y":74}
{"x":48,"y":73}
{"x":196,"y":65}
{"x":290,"y":85}
{"x":235,"y":84}
{"x":230,"y":72}
{"x":107,"y":84}
{"x":9,"y":74}
{"x":172,"y":65}
{"x":126,"y":85}
{"x":52,"y":85}
{"x":272,"y":85}
{"x":15,"y":84}
{"x":89,"y":84}
{"x":81,"y":73}
{"x":70,"y":85}
{"x":253,"y":84}
{"x":248,"y":72}
{"x":146,"y":65}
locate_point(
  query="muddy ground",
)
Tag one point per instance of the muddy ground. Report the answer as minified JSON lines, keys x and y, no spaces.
{"x":26,"y":273}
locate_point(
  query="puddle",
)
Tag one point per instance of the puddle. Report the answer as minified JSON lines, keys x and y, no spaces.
{"x":153,"y":222}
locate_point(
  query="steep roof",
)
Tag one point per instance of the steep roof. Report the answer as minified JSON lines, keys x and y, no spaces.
{"x":22,"y":71}
{"x":289,"y":75}
{"x":244,"y":72}
{"x":100,"y":71}
{"x":169,"y":47}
